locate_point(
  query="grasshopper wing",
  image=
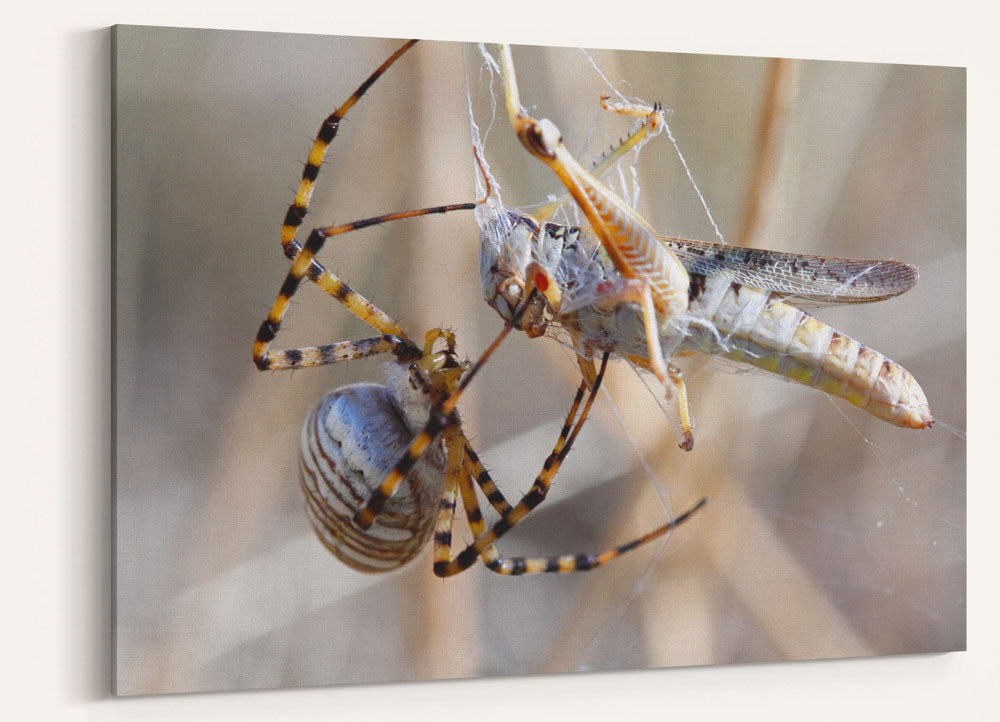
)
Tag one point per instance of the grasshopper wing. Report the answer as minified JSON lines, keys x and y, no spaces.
{"x":814,"y":279}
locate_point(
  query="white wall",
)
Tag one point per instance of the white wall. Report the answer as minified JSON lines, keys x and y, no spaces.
{"x":56,"y":533}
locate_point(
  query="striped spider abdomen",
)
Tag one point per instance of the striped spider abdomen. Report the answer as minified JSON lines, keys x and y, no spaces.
{"x":350,"y":442}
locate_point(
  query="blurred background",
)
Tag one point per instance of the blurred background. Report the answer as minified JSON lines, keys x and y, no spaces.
{"x":828,"y":533}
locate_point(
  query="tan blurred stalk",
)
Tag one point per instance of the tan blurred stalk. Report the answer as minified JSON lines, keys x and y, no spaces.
{"x":779,"y":96}
{"x":826,"y":533}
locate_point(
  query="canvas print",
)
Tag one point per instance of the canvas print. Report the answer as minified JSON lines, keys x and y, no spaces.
{"x":441,"y":360}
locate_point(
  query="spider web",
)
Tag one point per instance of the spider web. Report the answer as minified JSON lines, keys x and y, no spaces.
{"x":848,"y":511}
{"x":827,"y":533}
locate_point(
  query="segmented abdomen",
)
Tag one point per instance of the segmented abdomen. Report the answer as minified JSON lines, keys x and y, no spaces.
{"x":755,"y":327}
{"x":350,"y":442}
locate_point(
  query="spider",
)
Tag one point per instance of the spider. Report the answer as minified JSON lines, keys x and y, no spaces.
{"x":382,"y":465}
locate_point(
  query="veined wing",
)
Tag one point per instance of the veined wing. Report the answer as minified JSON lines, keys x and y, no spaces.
{"x":815,"y":279}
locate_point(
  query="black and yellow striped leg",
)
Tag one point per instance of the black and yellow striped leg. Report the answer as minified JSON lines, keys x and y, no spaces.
{"x":290,"y":229}
{"x":308,"y":356}
{"x":444,"y":565}
{"x":474,"y":514}
{"x":305,"y":265}
{"x":516,"y":566}
{"x":457,"y":478}
{"x":539,"y":488}
{"x":449,"y":494}
{"x":484,"y":544}
{"x":477,"y":472}
{"x":441,"y":414}
{"x":485,"y":482}
{"x":484,"y":547}
{"x":353,"y":301}
{"x":462,"y":467}
{"x":308,"y":266}
{"x":300,"y":205}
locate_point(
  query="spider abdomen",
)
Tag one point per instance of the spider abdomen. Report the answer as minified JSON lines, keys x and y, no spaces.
{"x":350,"y":442}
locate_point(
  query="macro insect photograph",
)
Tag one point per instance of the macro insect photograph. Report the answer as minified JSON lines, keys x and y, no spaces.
{"x":441,"y":360}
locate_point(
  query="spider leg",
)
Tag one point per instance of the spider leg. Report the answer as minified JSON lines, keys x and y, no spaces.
{"x":457,"y":478}
{"x":392,"y":333}
{"x":441,"y":414}
{"x":515,"y":566}
{"x":308,"y":356}
{"x":473,"y":469}
{"x":484,"y":544}
{"x":482,"y":477}
{"x":538,"y":490}
{"x":463,"y":466}
{"x":454,"y":468}
{"x":327,"y":131}
{"x":485,"y":482}
{"x":304,"y":262}
{"x":474,"y":514}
